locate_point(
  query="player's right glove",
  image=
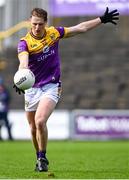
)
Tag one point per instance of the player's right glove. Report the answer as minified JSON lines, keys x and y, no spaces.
{"x":19,"y":91}
{"x":110,"y":17}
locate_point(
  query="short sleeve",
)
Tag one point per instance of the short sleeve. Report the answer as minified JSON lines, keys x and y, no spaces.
{"x":22,"y":46}
{"x":62,"y":31}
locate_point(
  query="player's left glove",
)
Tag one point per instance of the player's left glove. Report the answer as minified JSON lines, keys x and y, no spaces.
{"x":19,"y":91}
{"x":110,"y":17}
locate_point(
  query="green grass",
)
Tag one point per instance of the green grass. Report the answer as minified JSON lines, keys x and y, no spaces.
{"x":68,"y":160}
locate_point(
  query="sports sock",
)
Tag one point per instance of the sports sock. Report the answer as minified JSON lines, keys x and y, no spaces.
{"x":41,"y":154}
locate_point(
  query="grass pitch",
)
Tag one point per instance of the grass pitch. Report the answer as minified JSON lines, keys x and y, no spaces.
{"x":68,"y":160}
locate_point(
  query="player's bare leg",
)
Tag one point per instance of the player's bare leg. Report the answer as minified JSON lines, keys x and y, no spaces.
{"x":31,"y":120}
{"x":44,"y":110}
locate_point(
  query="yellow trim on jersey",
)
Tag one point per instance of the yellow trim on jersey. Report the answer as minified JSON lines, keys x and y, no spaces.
{"x":24,"y":52}
{"x":66,"y":32}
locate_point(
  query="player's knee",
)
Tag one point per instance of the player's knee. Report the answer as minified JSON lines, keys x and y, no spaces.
{"x":40,"y":123}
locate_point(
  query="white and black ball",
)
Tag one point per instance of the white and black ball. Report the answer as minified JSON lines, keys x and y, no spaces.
{"x":24,"y":79}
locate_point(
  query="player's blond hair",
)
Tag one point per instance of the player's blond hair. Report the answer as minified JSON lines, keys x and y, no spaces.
{"x":39,"y":13}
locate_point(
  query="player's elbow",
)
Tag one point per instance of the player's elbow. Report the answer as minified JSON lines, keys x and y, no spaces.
{"x":83,"y":29}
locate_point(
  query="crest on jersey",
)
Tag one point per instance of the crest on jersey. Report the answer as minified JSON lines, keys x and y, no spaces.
{"x":53,"y":36}
{"x":46,"y":49}
{"x":34,"y":45}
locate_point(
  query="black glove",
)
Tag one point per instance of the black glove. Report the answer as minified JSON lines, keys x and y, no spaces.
{"x":109,"y":17}
{"x":19,"y":91}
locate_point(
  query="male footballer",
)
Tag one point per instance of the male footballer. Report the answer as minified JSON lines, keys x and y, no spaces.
{"x":38,"y":51}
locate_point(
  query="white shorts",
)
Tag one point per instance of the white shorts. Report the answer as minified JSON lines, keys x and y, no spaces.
{"x":34,"y":95}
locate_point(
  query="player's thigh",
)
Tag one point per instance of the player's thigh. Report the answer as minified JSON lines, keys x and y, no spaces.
{"x":45,"y":108}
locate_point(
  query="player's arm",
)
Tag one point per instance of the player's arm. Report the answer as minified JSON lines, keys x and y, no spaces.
{"x":23,"y":57}
{"x":107,"y":17}
{"x":23,"y":54}
{"x":83,"y":27}
{"x":23,"y":60}
{"x":23,"y":63}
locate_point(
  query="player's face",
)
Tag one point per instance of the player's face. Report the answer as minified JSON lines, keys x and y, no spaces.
{"x":38,"y":26}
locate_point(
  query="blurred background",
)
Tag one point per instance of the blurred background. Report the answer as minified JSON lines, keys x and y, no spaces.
{"x":95,"y":69}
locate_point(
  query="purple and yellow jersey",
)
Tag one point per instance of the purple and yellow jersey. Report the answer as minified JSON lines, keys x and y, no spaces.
{"x":44,"y":59}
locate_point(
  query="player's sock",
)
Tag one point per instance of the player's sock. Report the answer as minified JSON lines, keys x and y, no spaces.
{"x":41,"y":154}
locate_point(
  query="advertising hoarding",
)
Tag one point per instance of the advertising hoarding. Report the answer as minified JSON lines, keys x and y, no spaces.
{"x":86,"y":7}
{"x":75,"y":124}
{"x":100,"y":124}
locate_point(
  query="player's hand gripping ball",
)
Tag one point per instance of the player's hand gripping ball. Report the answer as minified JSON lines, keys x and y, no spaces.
{"x":24,"y":79}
